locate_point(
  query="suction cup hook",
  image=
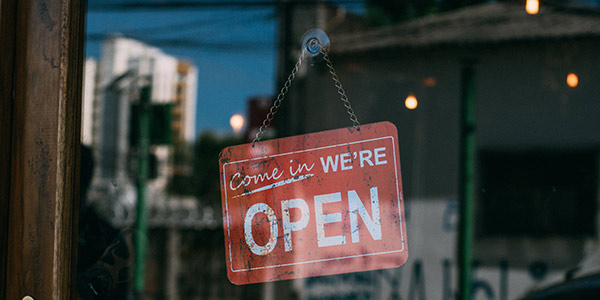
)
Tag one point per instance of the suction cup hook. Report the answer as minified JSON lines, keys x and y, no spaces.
{"x":315,"y":42}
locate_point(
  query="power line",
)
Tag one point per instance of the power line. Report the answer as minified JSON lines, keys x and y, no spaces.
{"x":202,"y":23}
{"x":243,"y":46}
{"x":104,"y":6}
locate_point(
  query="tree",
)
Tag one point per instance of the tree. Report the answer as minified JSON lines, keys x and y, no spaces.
{"x":203,"y":180}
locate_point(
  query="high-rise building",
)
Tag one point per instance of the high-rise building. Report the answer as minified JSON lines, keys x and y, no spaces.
{"x":126,"y":65}
{"x":173,"y":80}
{"x":89,"y":97}
{"x":184,"y":110}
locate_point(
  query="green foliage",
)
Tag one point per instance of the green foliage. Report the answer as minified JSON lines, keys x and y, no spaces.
{"x":203,"y":179}
{"x":181,"y":183}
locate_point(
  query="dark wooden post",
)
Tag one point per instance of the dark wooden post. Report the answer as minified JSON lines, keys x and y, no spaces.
{"x":42,"y":59}
{"x":7,"y":56}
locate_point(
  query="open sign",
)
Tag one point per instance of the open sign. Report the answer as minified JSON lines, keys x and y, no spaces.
{"x":316,"y":204}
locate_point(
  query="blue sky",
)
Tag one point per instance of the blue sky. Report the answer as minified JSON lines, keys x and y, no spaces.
{"x":234,"y":50}
{"x":234,"y":47}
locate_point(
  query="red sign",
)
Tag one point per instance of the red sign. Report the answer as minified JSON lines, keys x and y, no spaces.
{"x":316,"y":204}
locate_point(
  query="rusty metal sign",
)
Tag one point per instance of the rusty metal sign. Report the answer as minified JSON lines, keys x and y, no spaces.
{"x":317,"y":204}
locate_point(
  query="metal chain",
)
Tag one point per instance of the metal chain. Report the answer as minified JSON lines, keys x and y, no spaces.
{"x":286,"y":86}
{"x":341,"y":91}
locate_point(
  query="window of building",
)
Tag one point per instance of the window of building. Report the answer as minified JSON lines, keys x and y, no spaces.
{"x":537,"y":193}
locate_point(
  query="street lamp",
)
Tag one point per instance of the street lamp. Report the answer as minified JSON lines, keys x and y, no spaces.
{"x":236,"y":122}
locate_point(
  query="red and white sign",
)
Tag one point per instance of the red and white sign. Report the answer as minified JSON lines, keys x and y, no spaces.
{"x":316,"y":204}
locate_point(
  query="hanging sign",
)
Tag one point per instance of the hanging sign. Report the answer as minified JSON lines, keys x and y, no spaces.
{"x":316,"y":204}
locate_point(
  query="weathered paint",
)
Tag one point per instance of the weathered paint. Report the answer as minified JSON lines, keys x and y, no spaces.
{"x":316,"y":204}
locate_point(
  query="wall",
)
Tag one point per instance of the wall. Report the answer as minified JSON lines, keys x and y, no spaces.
{"x":430,"y":272}
{"x":522,"y":103}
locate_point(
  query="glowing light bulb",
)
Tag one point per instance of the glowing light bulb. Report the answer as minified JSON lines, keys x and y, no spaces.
{"x":532,"y":7}
{"x":572,"y":80}
{"x":237,"y":122}
{"x":411,"y":102}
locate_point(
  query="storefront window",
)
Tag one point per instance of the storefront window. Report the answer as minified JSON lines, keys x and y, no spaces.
{"x":487,"y":86}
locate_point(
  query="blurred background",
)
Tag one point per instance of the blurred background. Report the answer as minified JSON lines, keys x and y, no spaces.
{"x":502,"y":91}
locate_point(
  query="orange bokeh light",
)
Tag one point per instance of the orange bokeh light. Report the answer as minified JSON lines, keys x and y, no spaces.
{"x":236,"y":122}
{"x":429,"y":82}
{"x":532,"y":7}
{"x":572,"y":80}
{"x":411,"y":102}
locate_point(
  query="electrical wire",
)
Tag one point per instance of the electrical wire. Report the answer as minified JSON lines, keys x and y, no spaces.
{"x":148,"y":35}
{"x":179,"y":5}
{"x":201,"y":23}
{"x":233,"y":46}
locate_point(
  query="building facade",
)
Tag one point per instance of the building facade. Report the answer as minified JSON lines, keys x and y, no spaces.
{"x":125,"y":65}
{"x":537,"y":143}
{"x":89,"y":101}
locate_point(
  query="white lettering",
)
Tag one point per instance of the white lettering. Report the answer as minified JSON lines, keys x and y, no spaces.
{"x":254,"y":247}
{"x":322,"y":219}
{"x":289,"y":226}
{"x":356,"y":207}
{"x":346,"y":160}
{"x":365,"y":155}
{"x":301,"y":167}
{"x":331,"y":162}
{"x":380,"y":155}
{"x":256,"y":178}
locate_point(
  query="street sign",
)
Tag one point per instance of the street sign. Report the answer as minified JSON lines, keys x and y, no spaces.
{"x":317,"y":204}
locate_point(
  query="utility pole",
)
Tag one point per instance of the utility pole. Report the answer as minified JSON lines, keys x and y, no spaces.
{"x":143,"y":168}
{"x":466,"y":179}
{"x":285,"y":13}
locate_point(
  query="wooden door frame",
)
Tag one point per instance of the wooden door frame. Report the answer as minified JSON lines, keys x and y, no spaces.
{"x":41,"y":65}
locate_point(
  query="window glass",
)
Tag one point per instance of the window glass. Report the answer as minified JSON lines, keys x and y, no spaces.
{"x":494,"y":102}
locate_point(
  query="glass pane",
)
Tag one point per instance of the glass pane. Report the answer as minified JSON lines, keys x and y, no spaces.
{"x":495,"y":107}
